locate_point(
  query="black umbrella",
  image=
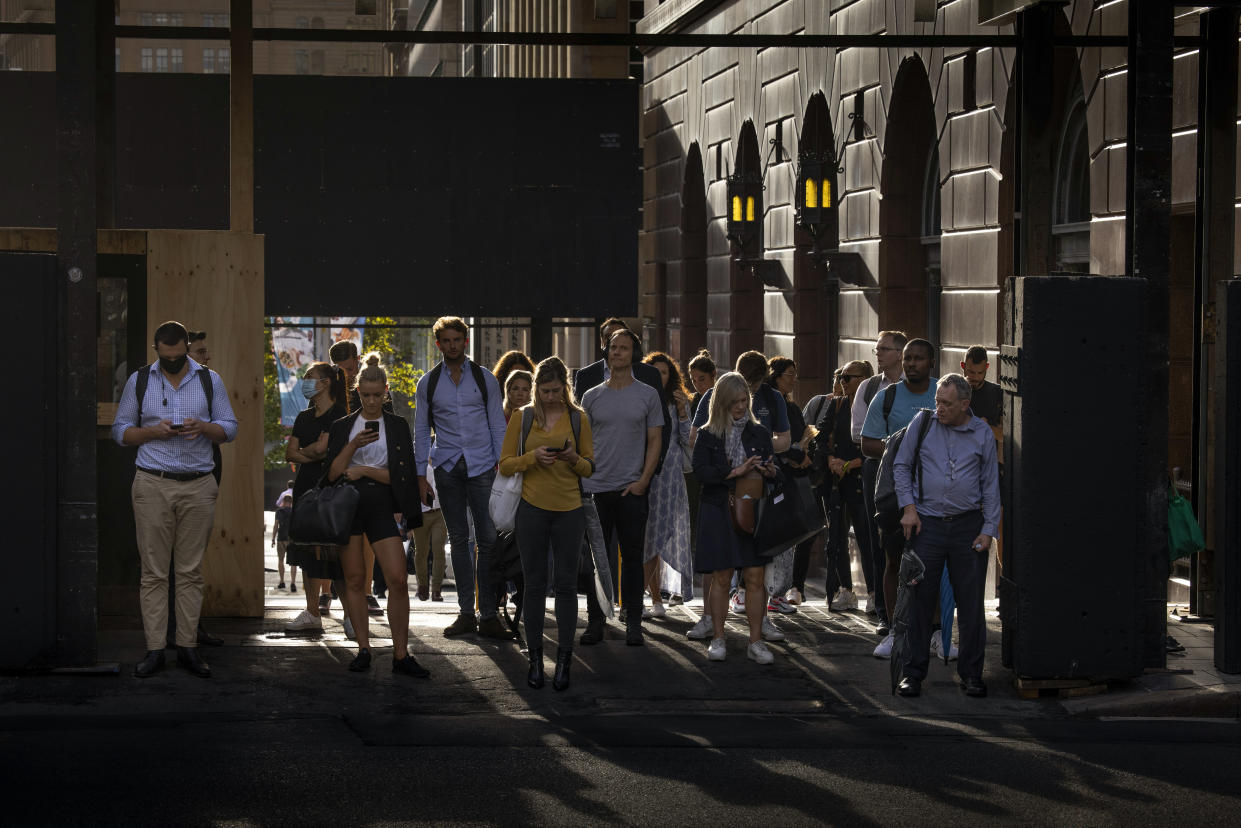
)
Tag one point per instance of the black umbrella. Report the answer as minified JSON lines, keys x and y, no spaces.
{"x":911,"y":573}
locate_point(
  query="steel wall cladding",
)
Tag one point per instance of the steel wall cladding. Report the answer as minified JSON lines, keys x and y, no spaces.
{"x":401,"y":196}
{"x":1072,"y":560}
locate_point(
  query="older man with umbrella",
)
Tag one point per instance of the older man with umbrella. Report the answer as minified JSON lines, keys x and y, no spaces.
{"x":951,"y":518}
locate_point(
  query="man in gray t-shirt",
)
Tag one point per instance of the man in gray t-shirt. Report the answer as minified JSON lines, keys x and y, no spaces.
{"x":626,"y":424}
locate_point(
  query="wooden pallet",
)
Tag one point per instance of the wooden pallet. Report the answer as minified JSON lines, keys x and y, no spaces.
{"x":1029,"y":688}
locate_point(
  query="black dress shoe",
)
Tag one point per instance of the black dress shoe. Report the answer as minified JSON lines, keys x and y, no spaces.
{"x":909,"y":687}
{"x":492,"y":628}
{"x":361,"y":662}
{"x":150,"y":665}
{"x":534,"y":678}
{"x":208,"y":639}
{"x":409,"y":667}
{"x":883,"y":630}
{"x":633,"y":637}
{"x":189,"y":658}
{"x":593,"y":634}
{"x":974,"y":687}
{"x":564,"y":658}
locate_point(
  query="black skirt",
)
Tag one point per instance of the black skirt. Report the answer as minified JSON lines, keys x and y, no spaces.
{"x":719,"y":545}
{"x":321,"y":562}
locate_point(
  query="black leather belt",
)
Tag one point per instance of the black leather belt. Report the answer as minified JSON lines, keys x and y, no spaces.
{"x":180,"y":477}
{"x":951,"y":518}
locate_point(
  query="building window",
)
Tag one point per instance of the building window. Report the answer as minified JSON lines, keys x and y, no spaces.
{"x":175,"y":19}
{"x":208,"y":19}
{"x":316,"y":23}
{"x":161,"y":60}
{"x":148,"y":60}
{"x":178,"y":60}
{"x":146,"y":19}
{"x":301,"y":62}
{"x":161,"y":19}
{"x":221,"y":20}
{"x":605,"y":9}
{"x":302,"y":23}
{"x":117,"y":68}
{"x":317,"y":62}
{"x":208,"y":61}
{"x":223,"y":62}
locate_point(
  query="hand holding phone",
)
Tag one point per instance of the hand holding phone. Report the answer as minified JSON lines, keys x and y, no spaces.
{"x":372,"y":425}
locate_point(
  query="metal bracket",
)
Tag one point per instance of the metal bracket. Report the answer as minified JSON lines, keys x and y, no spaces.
{"x":1010,"y":369}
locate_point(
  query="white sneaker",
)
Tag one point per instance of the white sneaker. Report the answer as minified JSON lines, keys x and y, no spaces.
{"x":871,"y":607}
{"x":937,"y":647}
{"x":845,"y":600}
{"x":716,"y":651}
{"x":758,"y":652}
{"x":702,"y":630}
{"x":305,"y":622}
{"x":349,"y":633}
{"x":654,"y":611}
{"x":737,"y":602}
{"x":770,"y":631}
{"x":884,"y":650}
{"x":778,"y":604}
{"x":794,"y":596}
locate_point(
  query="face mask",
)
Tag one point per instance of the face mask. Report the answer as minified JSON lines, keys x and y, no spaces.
{"x":310,"y":387}
{"x":172,"y":366}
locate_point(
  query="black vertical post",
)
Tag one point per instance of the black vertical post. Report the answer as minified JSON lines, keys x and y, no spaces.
{"x":478,"y":47}
{"x":1148,"y":215}
{"x":241,"y":116}
{"x":1032,"y":223}
{"x":76,"y":335}
{"x":1228,"y":478}
{"x":541,"y":339}
{"x":105,"y":111}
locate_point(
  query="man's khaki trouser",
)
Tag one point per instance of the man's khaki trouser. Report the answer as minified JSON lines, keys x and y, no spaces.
{"x":173,"y":520}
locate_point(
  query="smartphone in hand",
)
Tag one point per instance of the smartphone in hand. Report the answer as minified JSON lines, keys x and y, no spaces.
{"x":372,"y":425}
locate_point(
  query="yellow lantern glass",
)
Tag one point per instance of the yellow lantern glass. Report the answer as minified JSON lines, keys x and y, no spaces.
{"x":827,"y":194}
{"x":812,"y":195}
{"x":736,"y":208}
{"x":749,"y":208}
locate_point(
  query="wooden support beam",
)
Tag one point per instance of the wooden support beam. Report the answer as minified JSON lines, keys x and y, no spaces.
{"x":241,"y":109}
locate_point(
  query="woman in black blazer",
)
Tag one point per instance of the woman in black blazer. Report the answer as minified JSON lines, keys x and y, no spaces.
{"x":731,"y":445}
{"x":374,"y":451}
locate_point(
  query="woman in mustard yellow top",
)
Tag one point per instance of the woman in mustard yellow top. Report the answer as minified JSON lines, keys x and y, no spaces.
{"x":557,"y":453}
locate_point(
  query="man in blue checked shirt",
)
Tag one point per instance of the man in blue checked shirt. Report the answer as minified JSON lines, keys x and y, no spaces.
{"x":182,"y":412}
{"x":951,"y":508}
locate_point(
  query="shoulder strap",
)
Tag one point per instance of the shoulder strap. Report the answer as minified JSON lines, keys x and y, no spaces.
{"x":140,"y":387}
{"x":204,"y":376}
{"x":527,"y":423}
{"x":432,"y":381}
{"x":872,"y":388}
{"x":889,"y":399}
{"x":575,"y":423}
{"x":477,"y":371}
{"x":923,"y":427}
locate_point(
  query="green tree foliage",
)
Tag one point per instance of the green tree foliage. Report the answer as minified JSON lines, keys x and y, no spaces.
{"x":275,"y":434}
{"x":397,"y":360}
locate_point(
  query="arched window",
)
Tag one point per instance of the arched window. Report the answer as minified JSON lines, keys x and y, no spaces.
{"x":1071,"y":208}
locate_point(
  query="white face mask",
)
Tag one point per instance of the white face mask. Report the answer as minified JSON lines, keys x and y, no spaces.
{"x":310,"y":387}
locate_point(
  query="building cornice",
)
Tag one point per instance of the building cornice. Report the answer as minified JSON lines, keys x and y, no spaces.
{"x":675,"y":15}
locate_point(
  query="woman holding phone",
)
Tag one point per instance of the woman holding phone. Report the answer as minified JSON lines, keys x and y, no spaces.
{"x":730,"y":446}
{"x":374,"y":451}
{"x":549,"y":517}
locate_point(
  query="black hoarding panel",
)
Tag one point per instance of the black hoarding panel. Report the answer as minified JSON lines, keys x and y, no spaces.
{"x":419,"y":196}
{"x":400,"y":196}
{"x":1072,"y":557}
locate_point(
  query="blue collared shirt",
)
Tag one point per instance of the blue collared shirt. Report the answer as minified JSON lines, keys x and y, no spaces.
{"x":463,"y":425}
{"x":164,"y":402}
{"x":959,"y":471}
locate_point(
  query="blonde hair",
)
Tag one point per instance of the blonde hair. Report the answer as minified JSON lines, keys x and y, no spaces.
{"x":729,"y":388}
{"x":551,"y":370}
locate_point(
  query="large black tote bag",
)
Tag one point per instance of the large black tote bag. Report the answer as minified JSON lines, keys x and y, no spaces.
{"x":787,"y":516}
{"x":324,"y":515}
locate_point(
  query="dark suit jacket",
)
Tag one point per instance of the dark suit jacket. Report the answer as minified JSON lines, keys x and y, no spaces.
{"x":401,"y":472}
{"x":711,"y":464}
{"x":592,"y":375}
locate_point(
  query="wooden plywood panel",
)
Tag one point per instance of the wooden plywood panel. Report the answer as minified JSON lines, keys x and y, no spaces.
{"x":213,"y":281}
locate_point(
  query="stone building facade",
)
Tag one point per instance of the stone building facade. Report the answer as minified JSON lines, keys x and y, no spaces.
{"x":924,"y":142}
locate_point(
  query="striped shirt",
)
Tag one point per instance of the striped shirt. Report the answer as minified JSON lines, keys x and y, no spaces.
{"x":164,"y":402}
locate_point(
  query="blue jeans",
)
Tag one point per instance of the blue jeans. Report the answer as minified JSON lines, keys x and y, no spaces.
{"x":457,"y":493}
{"x":950,"y":542}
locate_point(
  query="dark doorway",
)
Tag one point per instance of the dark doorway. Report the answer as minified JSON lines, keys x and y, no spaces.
{"x":687,"y":284}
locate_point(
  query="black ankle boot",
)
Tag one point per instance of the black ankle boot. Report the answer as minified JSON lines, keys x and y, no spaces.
{"x":535,"y":677}
{"x":564,"y":658}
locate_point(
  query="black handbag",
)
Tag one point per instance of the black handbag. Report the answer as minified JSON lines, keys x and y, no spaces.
{"x":787,"y":516}
{"x":324,"y":515}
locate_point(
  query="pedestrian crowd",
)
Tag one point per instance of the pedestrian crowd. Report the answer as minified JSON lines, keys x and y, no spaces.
{"x":635,"y":477}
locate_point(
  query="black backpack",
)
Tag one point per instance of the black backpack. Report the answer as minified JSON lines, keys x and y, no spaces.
{"x":204,"y":376}
{"x":887,"y":510}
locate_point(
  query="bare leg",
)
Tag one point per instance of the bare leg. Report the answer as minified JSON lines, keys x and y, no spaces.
{"x":311,"y":587}
{"x":707,"y":581}
{"x":354,"y":599}
{"x":719,"y":600}
{"x":368,"y":560}
{"x":293,"y":577}
{"x":391,"y":555}
{"x":651,"y":573}
{"x":754,"y":610}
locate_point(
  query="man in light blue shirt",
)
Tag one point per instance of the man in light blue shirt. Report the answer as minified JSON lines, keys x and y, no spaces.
{"x":175,"y":411}
{"x":889,"y":412}
{"x":951,"y":508}
{"x":459,"y":426}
